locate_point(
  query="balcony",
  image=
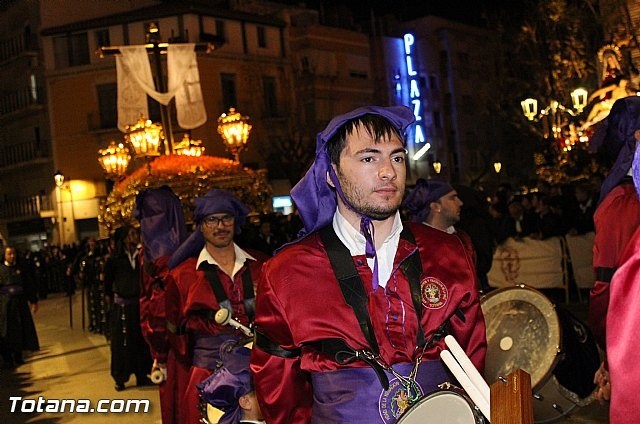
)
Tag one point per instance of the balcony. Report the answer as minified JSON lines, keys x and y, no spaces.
{"x":23,"y":153}
{"x":19,"y":100}
{"x":23,"y":208}
{"x":11,"y":48}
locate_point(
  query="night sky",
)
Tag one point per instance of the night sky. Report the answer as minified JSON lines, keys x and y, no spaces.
{"x":466,"y":11}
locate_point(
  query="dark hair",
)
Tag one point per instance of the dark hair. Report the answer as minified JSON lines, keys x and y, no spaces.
{"x":377,"y":126}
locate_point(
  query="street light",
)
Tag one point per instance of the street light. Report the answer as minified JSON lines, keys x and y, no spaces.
{"x":234,"y":129}
{"x":437,"y":166}
{"x":497,"y":166}
{"x":114,"y":159}
{"x":564,"y":132}
{"x":58,"y":177}
{"x":578,"y":98}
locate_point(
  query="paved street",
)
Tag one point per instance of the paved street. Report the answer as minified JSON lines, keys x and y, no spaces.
{"x":73,"y":364}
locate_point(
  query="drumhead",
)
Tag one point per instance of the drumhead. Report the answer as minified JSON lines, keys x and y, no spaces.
{"x":523,"y":331}
{"x":440,"y":407}
{"x":213,"y":414}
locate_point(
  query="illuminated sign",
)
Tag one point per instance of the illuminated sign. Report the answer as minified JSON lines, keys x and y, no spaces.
{"x":414,"y":87}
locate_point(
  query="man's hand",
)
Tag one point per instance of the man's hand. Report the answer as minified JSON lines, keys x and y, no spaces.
{"x":34,"y":308}
{"x":603,"y":389}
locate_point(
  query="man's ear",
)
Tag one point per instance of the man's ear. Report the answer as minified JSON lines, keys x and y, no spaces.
{"x":435,"y":206}
{"x":244,"y":402}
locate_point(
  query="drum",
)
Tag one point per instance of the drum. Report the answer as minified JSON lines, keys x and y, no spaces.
{"x":442,"y":406}
{"x":526,"y":330}
{"x":210,"y":414}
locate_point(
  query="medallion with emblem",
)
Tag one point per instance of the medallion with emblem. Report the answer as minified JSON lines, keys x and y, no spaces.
{"x":433,"y":292}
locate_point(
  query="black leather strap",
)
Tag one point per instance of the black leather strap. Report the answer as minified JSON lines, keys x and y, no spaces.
{"x":344,"y":354}
{"x":267,"y":345}
{"x":605,"y":274}
{"x":248,"y":293}
{"x":211,"y":273}
{"x":412,"y":269}
{"x":350,"y":283}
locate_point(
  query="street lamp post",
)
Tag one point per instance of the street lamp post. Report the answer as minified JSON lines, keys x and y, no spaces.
{"x":552,"y":119}
{"x":234,"y":129}
{"x":58,"y":177}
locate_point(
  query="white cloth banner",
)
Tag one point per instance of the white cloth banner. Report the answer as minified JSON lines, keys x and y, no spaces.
{"x":133,"y":72}
{"x":581,"y":253}
{"x":184,"y":81}
{"x":536,"y":263}
{"x":135,"y":80}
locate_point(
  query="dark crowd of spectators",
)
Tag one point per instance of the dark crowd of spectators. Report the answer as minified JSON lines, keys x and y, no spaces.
{"x":539,"y":213}
{"x":547,"y":211}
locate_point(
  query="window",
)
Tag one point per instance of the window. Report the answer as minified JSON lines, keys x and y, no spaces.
{"x":358,"y":74}
{"x":220,"y":30}
{"x":108,"y":105}
{"x":270,"y":98}
{"x":228,"y":82}
{"x":102,"y":38}
{"x":71,"y":50}
{"x":262,"y":37}
{"x":154,"y":110}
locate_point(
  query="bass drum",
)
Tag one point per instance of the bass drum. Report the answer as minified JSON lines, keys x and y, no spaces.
{"x":447,"y":406}
{"x":526,"y":330}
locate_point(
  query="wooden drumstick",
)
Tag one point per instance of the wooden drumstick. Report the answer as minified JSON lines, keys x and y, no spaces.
{"x":466,"y":383}
{"x":468,"y":366}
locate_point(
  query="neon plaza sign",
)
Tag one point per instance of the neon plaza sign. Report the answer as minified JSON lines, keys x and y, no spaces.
{"x":415,"y":96}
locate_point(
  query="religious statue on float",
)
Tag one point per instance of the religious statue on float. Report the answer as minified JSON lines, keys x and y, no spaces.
{"x":615,"y":84}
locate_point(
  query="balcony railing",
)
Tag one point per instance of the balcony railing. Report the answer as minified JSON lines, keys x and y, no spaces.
{"x":14,"y":47}
{"x":28,"y":207}
{"x":23,"y":153}
{"x":19,"y":100}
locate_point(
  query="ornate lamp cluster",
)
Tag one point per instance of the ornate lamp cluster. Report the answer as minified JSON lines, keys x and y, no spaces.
{"x":142,"y":140}
{"x":188,"y":147}
{"x":565,"y":134}
{"x":234,"y":129}
{"x":114,"y":159}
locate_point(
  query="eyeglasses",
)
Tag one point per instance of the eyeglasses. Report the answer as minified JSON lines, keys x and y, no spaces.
{"x":213,"y":221}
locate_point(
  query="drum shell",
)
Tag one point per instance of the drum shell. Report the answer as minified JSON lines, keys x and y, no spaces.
{"x":562,"y":372}
{"x":451,"y":406}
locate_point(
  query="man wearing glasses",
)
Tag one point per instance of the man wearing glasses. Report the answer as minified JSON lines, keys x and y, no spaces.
{"x":211,"y":273}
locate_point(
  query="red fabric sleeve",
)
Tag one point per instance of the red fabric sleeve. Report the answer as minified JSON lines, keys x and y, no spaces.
{"x":615,"y":220}
{"x":623,"y":337}
{"x":283,"y":389}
